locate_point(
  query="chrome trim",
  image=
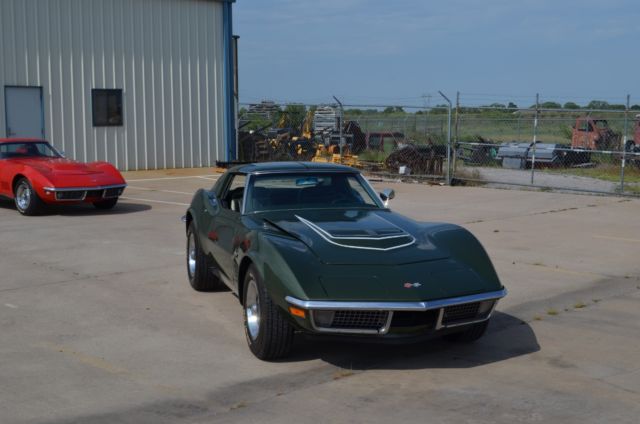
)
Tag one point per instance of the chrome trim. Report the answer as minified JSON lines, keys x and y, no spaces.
{"x":329,"y":238}
{"x":54,"y":189}
{"x":383,"y":330}
{"x":85,"y":189}
{"x":439,"y":319}
{"x":247,"y":184}
{"x":395,"y":306}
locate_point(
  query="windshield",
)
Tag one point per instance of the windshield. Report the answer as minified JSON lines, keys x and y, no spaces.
{"x":309,"y":191}
{"x":27,"y":150}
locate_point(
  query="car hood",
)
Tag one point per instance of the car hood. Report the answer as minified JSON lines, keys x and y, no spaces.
{"x":60,"y":166}
{"x":359,"y":236}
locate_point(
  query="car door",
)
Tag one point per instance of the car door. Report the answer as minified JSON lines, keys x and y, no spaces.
{"x":224,"y":230}
{"x":7,"y":170}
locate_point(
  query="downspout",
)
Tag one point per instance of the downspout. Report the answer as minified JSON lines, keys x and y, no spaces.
{"x":228,"y":75}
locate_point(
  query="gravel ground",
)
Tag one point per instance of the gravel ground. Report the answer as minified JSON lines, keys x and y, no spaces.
{"x":545,"y":179}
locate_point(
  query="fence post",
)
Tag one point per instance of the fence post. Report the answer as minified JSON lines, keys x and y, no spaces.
{"x":448,"y":138}
{"x":456,"y":128}
{"x":624,"y":144}
{"x":535,"y":137}
{"x":340,"y":119}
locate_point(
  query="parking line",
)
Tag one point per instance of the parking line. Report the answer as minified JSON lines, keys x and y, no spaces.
{"x":617,"y":238}
{"x":154,"y":201}
{"x":208,"y":177}
{"x":160,"y":191}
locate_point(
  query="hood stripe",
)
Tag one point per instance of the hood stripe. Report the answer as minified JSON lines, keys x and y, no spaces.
{"x":331,"y":239}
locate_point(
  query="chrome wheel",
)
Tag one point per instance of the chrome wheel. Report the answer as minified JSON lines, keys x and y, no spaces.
{"x":23,"y":196}
{"x":252,"y":309}
{"x":191,"y":255}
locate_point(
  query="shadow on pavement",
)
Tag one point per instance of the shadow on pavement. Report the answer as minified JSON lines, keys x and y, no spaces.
{"x":82,"y":209}
{"x":507,"y":337}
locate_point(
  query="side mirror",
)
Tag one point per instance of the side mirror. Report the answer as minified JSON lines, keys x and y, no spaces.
{"x":386,"y":195}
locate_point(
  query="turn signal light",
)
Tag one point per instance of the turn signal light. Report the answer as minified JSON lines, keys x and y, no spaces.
{"x":297,"y":312}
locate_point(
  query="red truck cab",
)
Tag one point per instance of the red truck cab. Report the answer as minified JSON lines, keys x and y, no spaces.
{"x":594,"y":134}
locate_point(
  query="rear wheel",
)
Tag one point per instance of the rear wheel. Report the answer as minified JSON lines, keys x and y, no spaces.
{"x":268,"y":332}
{"x":198,"y":265}
{"x":106,"y":204}
{"x":470,"y":334}
{"x":26,"y":199}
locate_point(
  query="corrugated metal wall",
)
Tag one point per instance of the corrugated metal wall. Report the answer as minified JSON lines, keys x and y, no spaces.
{"x":167,"y":56}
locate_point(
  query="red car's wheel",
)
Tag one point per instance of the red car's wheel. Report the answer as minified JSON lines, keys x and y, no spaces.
{"x":26,"y":199}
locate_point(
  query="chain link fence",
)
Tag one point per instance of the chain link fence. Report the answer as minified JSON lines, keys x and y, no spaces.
{"x":573,"y":150}
{"x":578,"y":150}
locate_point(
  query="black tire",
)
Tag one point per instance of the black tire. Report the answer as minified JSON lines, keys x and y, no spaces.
{"x":274,"y":336}
{"x":469,"y":334}
{"x":198,"y":266}
{"x":106,"y":204}
{"x":26,"y":199}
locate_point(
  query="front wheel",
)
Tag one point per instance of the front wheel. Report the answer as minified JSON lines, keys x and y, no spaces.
{"x":106,"y":204}
{"x":470,"y":334}
{"x":26,"y":199}
{"x":200,"y":278}
{"x":268,"y":332}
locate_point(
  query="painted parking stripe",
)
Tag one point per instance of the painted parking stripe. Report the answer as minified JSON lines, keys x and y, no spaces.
{"x":154,"y":201}
{"x":160,"y":191}
{"x":618,"y":238}
{"x":208,"y":177}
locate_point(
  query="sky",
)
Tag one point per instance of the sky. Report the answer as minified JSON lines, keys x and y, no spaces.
{"x":402,"y":52}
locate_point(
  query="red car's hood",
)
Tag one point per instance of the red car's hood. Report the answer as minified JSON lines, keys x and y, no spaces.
{"x":59,"y":166}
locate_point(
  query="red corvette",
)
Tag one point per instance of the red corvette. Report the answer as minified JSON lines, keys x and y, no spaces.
{"x":34,"y":173}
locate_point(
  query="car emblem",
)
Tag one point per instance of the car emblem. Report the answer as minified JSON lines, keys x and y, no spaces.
{"x":411,"y":285}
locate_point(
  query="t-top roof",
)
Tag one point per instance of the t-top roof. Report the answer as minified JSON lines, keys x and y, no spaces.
{"x":266,"y":167}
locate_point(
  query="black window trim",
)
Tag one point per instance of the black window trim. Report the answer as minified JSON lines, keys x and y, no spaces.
{"x":117,"y":91}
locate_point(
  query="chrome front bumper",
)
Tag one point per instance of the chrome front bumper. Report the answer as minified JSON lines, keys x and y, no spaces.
{"x":390,"y":307}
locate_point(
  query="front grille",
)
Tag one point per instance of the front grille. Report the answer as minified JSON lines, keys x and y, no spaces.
{"x":353,"y":320}
{"x":404,"y":319}
{"x":464,"y":312}
{"x":70,"y":195}
{"x":94,"y":193}
{"x":113,"y":192}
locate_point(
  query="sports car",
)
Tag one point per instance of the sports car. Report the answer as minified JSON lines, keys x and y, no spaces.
{"x":33,"y":173}
{"x":311,"y":248}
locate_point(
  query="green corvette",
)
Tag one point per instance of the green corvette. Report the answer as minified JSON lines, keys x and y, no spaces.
{"x":311,"y":248}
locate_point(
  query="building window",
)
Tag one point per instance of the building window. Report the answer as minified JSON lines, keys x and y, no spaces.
{"x":107,"y":107}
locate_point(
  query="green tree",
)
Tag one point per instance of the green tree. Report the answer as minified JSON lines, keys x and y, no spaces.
{"x":512,"y":105}
{"x":598,"y":104}
{"x":294,"y":115}
{"x":550,"y":105}
{"x":571,"y":105}
{"x":389,"y":109}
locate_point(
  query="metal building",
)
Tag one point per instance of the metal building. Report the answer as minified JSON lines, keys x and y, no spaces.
{"x":143,"y":84}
